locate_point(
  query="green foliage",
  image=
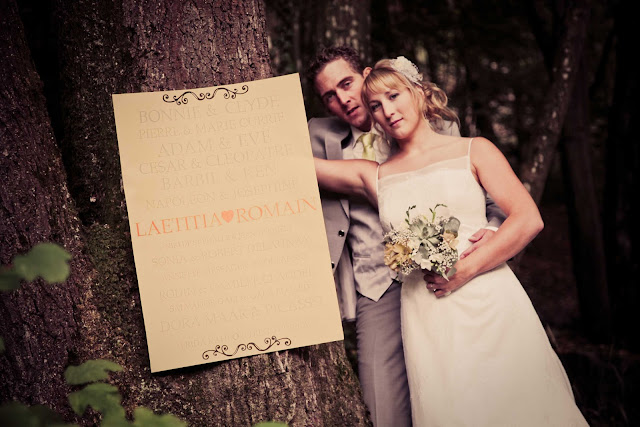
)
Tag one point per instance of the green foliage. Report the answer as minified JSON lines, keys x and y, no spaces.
{"x":50,"y":261}
{"x":15,"y":414}
{"x":101,"y":397}
{"x":90,"y":371}
{"x":106,"y":399}
{"x":46,"y":260}
{"x":9,"y":279}
{"x":146,"y":418}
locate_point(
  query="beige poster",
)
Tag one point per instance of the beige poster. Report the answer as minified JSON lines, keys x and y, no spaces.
{"x":226,"y":223}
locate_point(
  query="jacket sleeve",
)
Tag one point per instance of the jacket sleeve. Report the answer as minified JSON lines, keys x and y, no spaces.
{"x":316,"y":136}
{"x":495,"y":215}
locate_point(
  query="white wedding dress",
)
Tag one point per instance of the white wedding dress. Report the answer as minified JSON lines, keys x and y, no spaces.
{"x":479,"y":357}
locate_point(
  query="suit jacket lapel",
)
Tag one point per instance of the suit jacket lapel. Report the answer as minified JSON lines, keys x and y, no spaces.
{"x":333,"y":144}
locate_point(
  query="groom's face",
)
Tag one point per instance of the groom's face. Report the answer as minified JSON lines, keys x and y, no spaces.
{"x":340,"y":88}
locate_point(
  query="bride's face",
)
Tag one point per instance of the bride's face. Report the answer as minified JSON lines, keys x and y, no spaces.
{"x":396,"y":111}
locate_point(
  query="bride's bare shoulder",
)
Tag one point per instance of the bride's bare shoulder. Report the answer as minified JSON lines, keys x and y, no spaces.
{"x":392,"y":165}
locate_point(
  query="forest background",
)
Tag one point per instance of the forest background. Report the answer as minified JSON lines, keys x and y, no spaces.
{"x":550,"y":82}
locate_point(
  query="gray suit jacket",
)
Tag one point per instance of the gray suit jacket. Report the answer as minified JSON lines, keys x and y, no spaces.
{"x":328,"y":136}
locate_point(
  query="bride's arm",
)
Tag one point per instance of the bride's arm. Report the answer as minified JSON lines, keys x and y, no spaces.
{"x":350,"y":177}
{"x":522,"y":224}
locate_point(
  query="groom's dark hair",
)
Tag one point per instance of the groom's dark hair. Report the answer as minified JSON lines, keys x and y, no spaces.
{"x":330,"y":54}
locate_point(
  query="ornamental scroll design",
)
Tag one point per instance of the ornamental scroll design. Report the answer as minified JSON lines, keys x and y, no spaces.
{"x":223,"y":349}
{"x":226,"y":94}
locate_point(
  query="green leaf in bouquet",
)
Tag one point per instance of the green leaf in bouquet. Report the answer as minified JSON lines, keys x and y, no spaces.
{"x":423,"y":251}
{"x":101,"y":397}
{"x":90,"y":371}
{"x":416,"y":229}
{"x":433,"y":240}
{"x":452,"y":225}
{"x":433,"y":211}
{"x":46,"y":260}
{"x":426,"y":243}
{"x":450,"y":273}
{"x":146,"y":418}
{"x":429,"y":231}
{"x":408,"y":218}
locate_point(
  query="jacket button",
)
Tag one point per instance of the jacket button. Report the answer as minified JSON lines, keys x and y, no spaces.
{"x":333,"y":265}
{"x":341,"y":233}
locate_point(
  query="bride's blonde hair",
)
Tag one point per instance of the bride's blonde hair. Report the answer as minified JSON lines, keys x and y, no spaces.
{"x":429,"y":98}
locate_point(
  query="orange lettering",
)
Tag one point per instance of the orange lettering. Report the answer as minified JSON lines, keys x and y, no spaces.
{"x":288,"y":207}
{"x":138,"y":230}
{"x":241,"y":214}
{"x":153,"y":226}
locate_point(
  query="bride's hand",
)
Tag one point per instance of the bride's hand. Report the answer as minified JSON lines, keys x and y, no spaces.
{"x":442,"y":287}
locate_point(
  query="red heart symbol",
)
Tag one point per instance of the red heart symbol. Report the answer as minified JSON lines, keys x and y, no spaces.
{"x":227,"y":215}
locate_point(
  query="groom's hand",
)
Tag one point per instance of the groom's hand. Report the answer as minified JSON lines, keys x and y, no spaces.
{"x":442,"y":287}
{"x":478,"y":239}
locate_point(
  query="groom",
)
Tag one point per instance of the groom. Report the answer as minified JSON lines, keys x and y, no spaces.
{"x":366,"y":289}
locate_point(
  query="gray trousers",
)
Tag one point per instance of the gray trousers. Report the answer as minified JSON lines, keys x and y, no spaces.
{"x":381,"y":367}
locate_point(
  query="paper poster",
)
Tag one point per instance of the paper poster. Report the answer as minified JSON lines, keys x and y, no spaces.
{"x":226,"y":224}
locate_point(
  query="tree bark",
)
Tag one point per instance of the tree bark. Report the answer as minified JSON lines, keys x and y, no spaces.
{"x":300,"y":30}
{"x":538,"y":157}
{"x":347,"y":23}
{"x":130,"y":46}
{"x":44,"y":326}
{"x":585,"y":224}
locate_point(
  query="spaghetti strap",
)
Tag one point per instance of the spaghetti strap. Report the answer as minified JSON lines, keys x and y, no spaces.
{"x":469,"y":154}
{"x":377,"y":178}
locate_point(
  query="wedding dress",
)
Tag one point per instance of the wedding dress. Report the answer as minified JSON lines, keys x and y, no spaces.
{"x":480,"y":356}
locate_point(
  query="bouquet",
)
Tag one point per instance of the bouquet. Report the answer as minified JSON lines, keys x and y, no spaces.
{"x":429,"y":242}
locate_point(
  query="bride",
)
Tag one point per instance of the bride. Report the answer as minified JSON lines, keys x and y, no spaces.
{"x":475,"y":350}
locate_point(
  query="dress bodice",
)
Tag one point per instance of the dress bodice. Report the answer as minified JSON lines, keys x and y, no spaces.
{"x":449,"y":182}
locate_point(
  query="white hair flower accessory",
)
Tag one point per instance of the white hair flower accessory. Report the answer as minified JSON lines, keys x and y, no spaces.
{"x":407,"y":69}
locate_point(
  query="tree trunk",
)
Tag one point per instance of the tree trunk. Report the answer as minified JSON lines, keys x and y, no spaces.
{"x":622,"y":206}
{"x":585,"y":225}
{"x":43,"y":325}
{"x":115,"y":47}
{"x":347,"y":23}
{"x":538,"y":157}
{"x":299,"y":30}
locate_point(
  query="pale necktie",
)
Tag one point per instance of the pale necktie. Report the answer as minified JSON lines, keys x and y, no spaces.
{"x":367,"y":145}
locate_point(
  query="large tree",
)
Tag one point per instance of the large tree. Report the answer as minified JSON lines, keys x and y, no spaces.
{"x":44,"y":326}
{"x":585,"y":221}
{"x":299,"y":30}
{"x":123,"y":46}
